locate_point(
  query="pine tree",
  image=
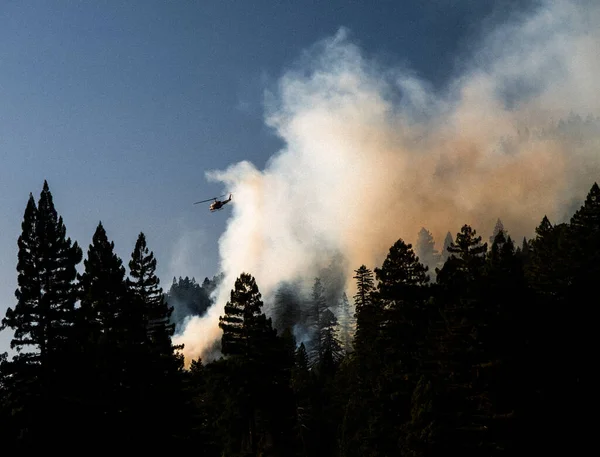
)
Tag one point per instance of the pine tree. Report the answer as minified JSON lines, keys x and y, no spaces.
{"x":499,"y":227}
{"x":28,"y":311}
{"x":445,"y":255}
{"x":400,"y":273}
{"x":145,"y":287}
{"x":461,"y":412}
{"x":250,"y":344}
{"x":425,"y":250}
{"x":524,"y":251}
{"x":467,"y":246}
{"x":331,"y":347}
{"x":361,"y":436}
{"x":43,"y":317}
{"x":347,"y":323}
{"x":548,"y":270}
{"x":402,"y":291}
{"x":583,"y":245}
{"x":112,"y":332}
{"x":317,"y":306}
{"x":368,"y":313}
{"x":105,"y":295}
{"x":581,"y":255}
{"x":302,"y":387}
{"x":587,"y":217}
{"x":502,"y":338}
{"x":46,"y":294}
{"x":467,"y":258}
{"x":155,"y":364}
{"x":244,"y":326}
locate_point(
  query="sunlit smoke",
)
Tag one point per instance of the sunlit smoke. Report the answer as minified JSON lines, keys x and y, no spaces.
{"x":372,"y":153}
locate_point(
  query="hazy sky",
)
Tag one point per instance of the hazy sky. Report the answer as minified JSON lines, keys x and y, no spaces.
{"x":124,"y":106}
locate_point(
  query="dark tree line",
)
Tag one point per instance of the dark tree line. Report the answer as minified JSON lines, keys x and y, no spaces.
{"x":491,"y":355}
{"x":94,"y":361}
{"x":188,"y":298}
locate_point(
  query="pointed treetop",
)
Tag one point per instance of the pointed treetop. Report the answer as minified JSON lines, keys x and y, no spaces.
{"x":142,"y":265}
{"x":447,"y":242}
{"x":400,"y":268}
{"x":525,"y":246}
{"x":499,"y":239}
{"x":499,"y":227}
{"x":101,"y":250}
{"x":424,"y":232}
{"x":31,"y":206}
{"x":588,"y":216}
{"x":593,"y":195}
{"x":46,"y":207}
{"x":498,"y":245}
{"x":467,"y":243}
{"x":544,"y":228}
{"x":100,"y":233}
{"x":302,"y":357}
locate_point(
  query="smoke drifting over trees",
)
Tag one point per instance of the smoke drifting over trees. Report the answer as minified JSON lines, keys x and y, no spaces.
{"x":465,"y":365}
{"x":189,"y":298}
{"x":372,"y":152}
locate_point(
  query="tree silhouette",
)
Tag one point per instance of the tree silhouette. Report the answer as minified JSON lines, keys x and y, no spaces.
{"x":42,"y":319}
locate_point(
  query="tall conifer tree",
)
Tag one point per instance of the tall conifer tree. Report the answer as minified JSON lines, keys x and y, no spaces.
{"x":347,"y":323}
{"x":105,"y":295}
{"x":425,"y":250}
{"x":156,"y":364}
{"x":401,"y":289}
{"x":445,"y":255}
{"x":317,"y":306}
{"x":43,"y":317}
{"x":145,"y":287}
{"x":112,"y":331}
{"x":368,"y":313}
{"x":249,"y":343}
{"x":499,"y":227}
{"x":460,"y":417}
{"x":244,"y":325}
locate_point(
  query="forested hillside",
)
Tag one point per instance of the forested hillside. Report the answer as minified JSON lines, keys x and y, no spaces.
{"x":482,"y":349}
{"x":188,"y":298}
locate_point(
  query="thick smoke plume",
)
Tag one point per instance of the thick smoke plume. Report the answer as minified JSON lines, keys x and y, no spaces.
{"x":373,"y":153}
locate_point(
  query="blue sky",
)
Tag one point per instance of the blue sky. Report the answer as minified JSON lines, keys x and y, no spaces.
{"x":123,"y":106}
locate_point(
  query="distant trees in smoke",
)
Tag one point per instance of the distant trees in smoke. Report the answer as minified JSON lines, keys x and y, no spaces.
{"x":483,"y":351}
{"x":324,"y":314}
{"x":189,"y":298}
{"x":425,"y":249}
{"x":430,"y":257}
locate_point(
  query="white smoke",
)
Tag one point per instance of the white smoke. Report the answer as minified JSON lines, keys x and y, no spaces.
{"x":373,"y":153}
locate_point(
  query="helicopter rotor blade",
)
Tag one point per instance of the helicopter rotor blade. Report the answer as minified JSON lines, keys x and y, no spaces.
{"x":210,"y":199}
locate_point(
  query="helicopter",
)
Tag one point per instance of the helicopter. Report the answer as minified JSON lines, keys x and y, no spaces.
{"x":216,"y":205}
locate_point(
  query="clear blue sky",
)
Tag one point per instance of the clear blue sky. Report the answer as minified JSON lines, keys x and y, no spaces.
{"x":123,"y":106}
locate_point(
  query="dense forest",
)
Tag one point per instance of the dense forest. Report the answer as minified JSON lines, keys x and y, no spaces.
{"x":479,"y":350}
{"x":188,"y":298}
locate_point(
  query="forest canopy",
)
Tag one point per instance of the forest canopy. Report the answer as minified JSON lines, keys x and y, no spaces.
{"x":480,"y":349}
